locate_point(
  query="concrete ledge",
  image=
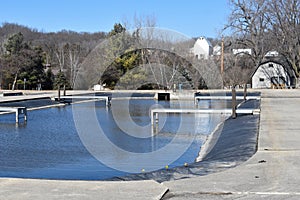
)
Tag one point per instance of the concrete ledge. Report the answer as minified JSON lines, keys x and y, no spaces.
{"x":28,"y":189}
{"x":7,"y":94}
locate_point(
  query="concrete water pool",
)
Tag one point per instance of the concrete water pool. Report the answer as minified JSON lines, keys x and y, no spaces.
{"x":49,"y":145}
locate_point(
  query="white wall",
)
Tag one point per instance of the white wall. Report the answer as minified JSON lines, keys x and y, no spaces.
{"x":202,"y":48}
{"x":241,"y":51}
{"x":263,"y":75}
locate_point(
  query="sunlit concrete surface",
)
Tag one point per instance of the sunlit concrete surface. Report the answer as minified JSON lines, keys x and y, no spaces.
{"x":272,"y":173}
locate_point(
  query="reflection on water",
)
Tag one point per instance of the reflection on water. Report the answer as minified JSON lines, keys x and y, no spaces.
{"x":48,"y":146}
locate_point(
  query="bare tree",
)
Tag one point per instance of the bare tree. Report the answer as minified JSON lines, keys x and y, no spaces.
{"x":265,"y":25}
{"x":73,"y":52}
{"x":249,"y":24}
{"x":238,"y":69}
{"x":59,"y":52}
{"x":284,"y":19}
{"x":167,"y":68}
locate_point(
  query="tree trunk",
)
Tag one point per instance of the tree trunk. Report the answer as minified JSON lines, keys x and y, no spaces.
{"x":15,"y":81}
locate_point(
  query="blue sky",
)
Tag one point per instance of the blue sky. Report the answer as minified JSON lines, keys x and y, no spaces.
{"x":190,"y":17}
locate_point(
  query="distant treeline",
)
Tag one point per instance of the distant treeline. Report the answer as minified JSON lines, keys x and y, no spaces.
{"x":32,"y":59}
{"x":38,"y":60}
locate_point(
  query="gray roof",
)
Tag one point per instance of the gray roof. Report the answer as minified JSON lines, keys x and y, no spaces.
{"x":281,"y":60}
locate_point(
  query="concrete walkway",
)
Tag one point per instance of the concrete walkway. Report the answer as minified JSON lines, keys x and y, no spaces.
{"x":34,"y":94}
{"x":28,"y":189}
{"x":24,"y":97}
{"x":272,"y":173}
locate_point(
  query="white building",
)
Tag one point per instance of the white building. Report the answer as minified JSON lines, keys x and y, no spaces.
{"x":241,"y":51}
{"x":273,"y":74}
{"x":98,"y":87}
{"x":271,"y":54}
{"x":202,"y":48}
{"x":217,"y":50}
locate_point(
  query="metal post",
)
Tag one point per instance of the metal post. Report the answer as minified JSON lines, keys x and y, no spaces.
{"x":245,"y":91}
{"x":17,"y":115}
{"x":233,"y":103}
{"x":25,"y":114}
{"x":24,"y":83}
{"x":64,"y":89}
{"x":59,"y":93}
{"x":152,"y":123}
{"x":108,"y":101}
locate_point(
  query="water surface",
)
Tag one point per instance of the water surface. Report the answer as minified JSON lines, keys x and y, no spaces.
{"x":48,"y":145}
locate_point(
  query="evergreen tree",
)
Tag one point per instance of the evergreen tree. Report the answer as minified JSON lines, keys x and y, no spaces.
{"x":23,"y":64}
{"x":61,"y":80}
